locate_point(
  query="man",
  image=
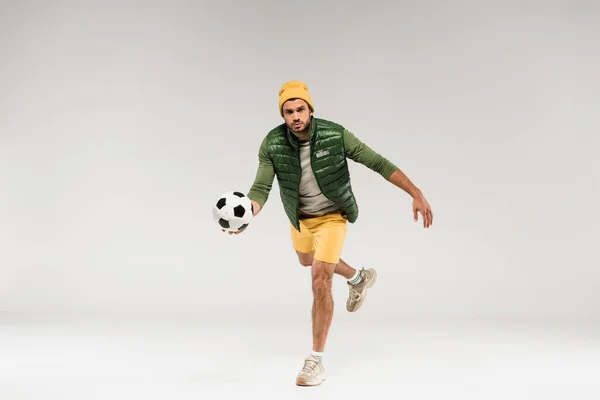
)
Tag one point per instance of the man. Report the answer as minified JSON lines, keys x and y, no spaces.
{"x":309,"y":157}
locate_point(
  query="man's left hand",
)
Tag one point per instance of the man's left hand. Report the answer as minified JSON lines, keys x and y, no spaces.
{"x":420,"y":205}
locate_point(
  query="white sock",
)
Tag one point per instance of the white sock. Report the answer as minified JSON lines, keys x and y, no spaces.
{"x":318,"y":355}
{"x":355,"y":279}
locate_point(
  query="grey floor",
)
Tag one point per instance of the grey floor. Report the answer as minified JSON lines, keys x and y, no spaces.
{"x":196,"y":357}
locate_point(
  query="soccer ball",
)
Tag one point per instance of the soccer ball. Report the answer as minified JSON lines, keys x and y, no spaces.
{"x":233,"y":211}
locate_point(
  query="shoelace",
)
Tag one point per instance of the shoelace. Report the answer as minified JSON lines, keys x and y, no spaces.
{"x":309,"y":366}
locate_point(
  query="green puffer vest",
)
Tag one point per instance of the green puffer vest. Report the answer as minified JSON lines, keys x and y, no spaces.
{"x":328,"y":163}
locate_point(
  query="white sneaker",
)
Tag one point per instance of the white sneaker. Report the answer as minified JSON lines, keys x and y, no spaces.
{"x":312,"y":374}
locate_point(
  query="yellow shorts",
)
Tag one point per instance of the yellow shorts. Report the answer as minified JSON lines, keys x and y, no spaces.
{"x":323,"y":234}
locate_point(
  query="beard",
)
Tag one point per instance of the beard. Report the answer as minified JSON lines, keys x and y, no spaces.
{"x":299,"y":130}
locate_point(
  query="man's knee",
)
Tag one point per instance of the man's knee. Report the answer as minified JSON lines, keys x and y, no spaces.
{"x":306,"y":259}
{"x":322,"y":274}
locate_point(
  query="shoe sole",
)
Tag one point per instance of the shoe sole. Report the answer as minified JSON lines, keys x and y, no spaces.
{"x":306,"y":384}
{"x":369,"y":286}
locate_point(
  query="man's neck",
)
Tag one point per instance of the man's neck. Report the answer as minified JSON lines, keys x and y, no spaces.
{"x":302,"y":137}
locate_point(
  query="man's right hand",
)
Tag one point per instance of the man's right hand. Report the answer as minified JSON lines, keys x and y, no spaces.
{"x":234,"y":233}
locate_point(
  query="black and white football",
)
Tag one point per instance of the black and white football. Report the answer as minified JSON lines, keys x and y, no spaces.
{"x":233,"y":211}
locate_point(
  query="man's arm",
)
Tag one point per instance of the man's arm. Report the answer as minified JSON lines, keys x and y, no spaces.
{"x":358,"y":151}
{"x":263,"y":182}
{"x":361,"y":153}
{"x":399,"y":179}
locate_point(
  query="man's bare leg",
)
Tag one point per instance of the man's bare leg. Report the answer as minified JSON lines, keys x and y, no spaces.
{"x":343,"y":269}
{"x":359,"y":281}
{"x":322,"y":310}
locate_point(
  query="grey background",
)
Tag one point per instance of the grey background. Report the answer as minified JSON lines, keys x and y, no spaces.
{"x":121,"y":123}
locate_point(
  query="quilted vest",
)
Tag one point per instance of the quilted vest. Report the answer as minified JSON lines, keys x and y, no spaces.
{"x":328,"y":162}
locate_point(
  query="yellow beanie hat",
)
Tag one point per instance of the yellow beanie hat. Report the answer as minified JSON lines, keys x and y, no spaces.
{"x":294,"y":90}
